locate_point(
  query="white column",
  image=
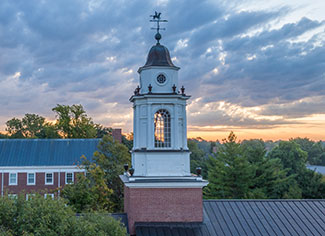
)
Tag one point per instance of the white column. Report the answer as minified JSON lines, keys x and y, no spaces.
{"x":184,"y":126}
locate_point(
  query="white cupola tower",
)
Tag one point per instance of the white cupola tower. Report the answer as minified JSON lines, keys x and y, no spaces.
{"x":159,"y":187}
{"x":160,"y":139}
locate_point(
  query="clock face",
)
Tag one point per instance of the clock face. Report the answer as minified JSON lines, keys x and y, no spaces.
{"x":161,"y":79}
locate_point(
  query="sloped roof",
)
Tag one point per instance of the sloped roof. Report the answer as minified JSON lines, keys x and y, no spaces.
{"x":248,"y":217}
{"x":45,"y":152}
{"x":318,"y":169}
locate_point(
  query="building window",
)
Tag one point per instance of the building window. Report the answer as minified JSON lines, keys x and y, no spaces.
{"x":12,"y":196}
{"x":12,"y":178}
{"x":48,"y":178}
{"x":30,"y":178}
{"x":49,"y":195}
{"x":69,"y":177}
{"x":29,"y":196}
{"x":162,"y":129}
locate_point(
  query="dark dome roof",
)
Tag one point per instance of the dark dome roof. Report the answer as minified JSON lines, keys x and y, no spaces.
{"x":158,"y":56}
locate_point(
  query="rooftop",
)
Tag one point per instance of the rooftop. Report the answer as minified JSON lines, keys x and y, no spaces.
{"x":248,"y":217}
{"x":45,"y":152}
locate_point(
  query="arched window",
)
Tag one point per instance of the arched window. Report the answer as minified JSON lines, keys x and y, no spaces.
{"x":162,"y":129}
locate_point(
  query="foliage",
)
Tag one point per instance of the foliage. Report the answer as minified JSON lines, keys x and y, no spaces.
{"x":230,"y":174}
{"x":73,"y":122}
{"x":31,"y":126}
{"x":111,"y":157}
{"x":315,"y":150}
{"x":128,"y":140}
{"x":38,"y":216}
{"x":89,"y":193}
{"x":198,"y":157}
{"x":270,"y":179}
{"x":98,"y":224}
{"x":291,"y":156}
{"x":3,"y":136}
{"x":294,"y":158}
{"x":101,"y":131}
{"x":101,"y":188}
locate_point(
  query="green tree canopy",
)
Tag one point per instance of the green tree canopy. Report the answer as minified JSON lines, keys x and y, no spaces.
{"x":198,"y":157}
{"x":72,"y":122}
{"x":315,"y":150}
{"x":270,"y":180}
{"x":89,"y":193}
{"x":291,"y":156}
{"x":294,"y":159}
{"x":230,"y":174}
{"x":102,"y":187}
{"x":38,"y":216}
{"x":31,"y":126}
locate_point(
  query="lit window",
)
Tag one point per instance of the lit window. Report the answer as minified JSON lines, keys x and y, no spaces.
{"x":162,"y":129}
{"x":48,"y":178}
{"x":30,"y":178}
{"x":69,"y":178}
{"x":12,"y":178}
{"x":49,"y":195}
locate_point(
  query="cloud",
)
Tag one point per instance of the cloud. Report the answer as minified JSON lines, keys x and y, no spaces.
{"x":88,"y":52}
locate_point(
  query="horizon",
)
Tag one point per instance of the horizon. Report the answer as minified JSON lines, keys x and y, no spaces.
{"x":251,"y":70}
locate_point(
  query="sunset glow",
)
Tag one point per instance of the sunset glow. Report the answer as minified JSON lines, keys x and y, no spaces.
{"x":252,"y":67}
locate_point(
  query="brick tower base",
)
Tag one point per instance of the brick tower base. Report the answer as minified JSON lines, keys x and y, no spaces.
{"x":162,"y":205}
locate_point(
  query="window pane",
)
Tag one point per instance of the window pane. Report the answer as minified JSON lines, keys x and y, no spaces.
{"x":162,"y":129}
{"x":12,"y":178}
{"x":31,"y":178}
{"x":49,"y":178}
{"x":69,"y":177}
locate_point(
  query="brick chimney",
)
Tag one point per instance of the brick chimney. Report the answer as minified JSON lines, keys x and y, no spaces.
{"x":117,"y":134}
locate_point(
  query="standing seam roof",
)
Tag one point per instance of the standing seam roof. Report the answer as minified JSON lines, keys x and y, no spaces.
{"x":45,"y":152}
{"x":248,"y":217}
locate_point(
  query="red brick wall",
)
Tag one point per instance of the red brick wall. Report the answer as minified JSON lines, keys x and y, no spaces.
{"x":39,"y":186}
{"x":117,"y":134}
{"x":163,"y":205}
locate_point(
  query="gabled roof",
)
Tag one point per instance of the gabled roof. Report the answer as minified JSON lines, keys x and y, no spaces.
{"x":45,"y":152}
{"x":248,"y":217}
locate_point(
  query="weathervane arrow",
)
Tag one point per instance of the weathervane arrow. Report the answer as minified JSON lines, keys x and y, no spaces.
{"x":156,"y":18}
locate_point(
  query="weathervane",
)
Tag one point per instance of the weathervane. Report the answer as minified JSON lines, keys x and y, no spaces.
{"x":156,"y":18}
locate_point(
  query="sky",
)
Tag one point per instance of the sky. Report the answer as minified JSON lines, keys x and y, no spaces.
{"x":253,"y":67}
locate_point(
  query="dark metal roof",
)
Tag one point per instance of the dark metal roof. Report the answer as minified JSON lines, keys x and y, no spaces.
{"x":248,"y":217}
{"x":123,"y":218}
{"x":45,"y":152}
{"x":171,"y":229}
{"x":158,"y":56}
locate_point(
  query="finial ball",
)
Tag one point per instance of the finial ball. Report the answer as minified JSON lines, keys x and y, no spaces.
{"x":158,"y":36}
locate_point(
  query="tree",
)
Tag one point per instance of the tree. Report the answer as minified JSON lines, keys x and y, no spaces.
{"x":3,"y":136}
{"x":89,"y":193}
{"x":230,"y":174}
{"x":111,"y":157}
{"x":315,"y":150}
{"x":101,"y":188}
{"x":270,"y":180}
{"x":101,"y":131}
{"x":39,"y":216}
{"x":31,"y":126}
{"x":73,"y":122}
{"x":127,"y":140}
{"x":198,"y":158}
{"x":293,"y":158}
